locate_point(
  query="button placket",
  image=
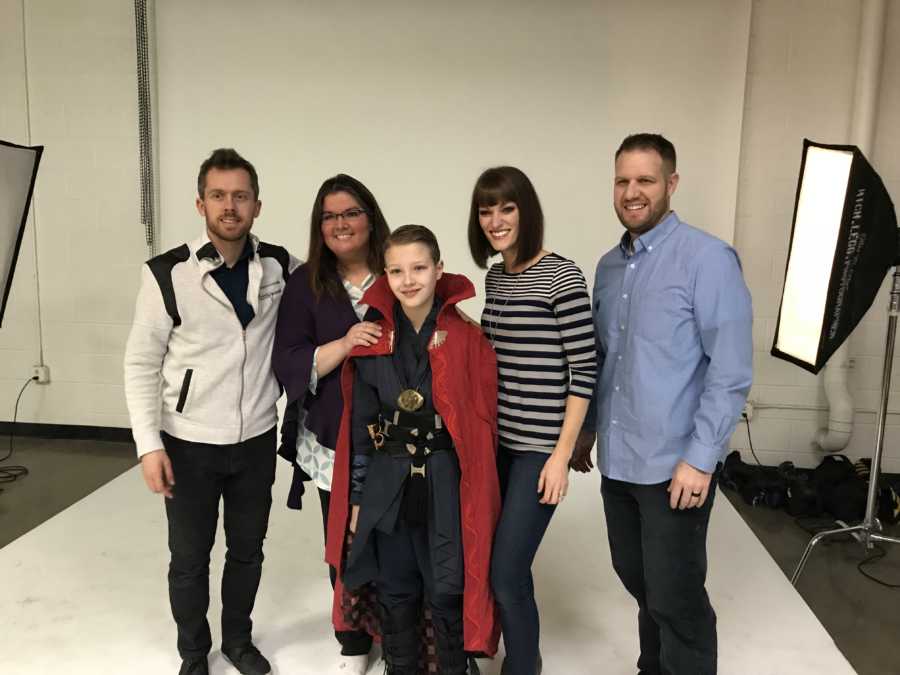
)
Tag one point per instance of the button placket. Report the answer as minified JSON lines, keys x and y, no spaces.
{"x":623,"y":315}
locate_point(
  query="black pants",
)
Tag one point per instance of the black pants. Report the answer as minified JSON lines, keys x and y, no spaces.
{"x":241,"y":475}
{"x":659,"y":554}
{"x":405,"y":576}
{"x":405,"y":573}
{"x":523,"y":522}
{"x":353,"y":642}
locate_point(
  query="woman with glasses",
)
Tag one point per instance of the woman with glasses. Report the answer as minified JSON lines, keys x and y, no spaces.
{"x":537,"y":315}
{"x":320,"y":320}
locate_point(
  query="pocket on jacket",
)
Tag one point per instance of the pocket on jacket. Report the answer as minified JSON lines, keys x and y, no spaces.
{"x":185,"y":387}
{"x":270,"y":290}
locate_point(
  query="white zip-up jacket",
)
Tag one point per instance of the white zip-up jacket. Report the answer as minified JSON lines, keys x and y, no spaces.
{"x":191,"y":369}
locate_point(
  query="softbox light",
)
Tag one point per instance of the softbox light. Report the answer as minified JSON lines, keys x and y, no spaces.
{"x":843,"y":242}
{"x":18,"y":171}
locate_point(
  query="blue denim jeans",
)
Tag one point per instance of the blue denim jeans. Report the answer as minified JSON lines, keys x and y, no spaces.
{"x":523,"y":522}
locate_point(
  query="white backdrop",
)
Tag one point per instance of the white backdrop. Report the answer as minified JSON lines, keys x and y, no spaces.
{"x":416,"y":99}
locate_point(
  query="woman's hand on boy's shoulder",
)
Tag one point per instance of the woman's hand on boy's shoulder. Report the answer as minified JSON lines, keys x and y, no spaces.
{"x":362,"y":334}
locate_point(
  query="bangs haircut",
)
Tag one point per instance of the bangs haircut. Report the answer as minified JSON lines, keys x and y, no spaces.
{"x":656,"y":142}
{"x":500,"y":185}
{"x":415,"y":234}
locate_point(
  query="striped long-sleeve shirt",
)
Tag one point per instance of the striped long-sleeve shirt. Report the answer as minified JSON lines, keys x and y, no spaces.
{"x":539,"y":322}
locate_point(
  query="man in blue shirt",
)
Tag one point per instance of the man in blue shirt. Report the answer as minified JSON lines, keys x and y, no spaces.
{"x":673,"y":321}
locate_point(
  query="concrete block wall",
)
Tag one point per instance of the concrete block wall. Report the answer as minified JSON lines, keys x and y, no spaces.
{"x":90,"y":242}
{"x":800,"y":80}
{"x":19,"y":335}
{"x":83,"y":108}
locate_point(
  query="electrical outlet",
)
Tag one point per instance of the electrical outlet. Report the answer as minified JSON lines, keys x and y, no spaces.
{"x":41,"y":374}
{"x":747,"y":412}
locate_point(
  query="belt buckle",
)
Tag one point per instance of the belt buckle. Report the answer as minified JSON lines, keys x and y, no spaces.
{"x":417,"y":470}
{"x":376,"y":435}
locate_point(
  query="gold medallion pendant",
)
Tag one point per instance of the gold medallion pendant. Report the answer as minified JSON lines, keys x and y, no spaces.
{"x":410,"y":400}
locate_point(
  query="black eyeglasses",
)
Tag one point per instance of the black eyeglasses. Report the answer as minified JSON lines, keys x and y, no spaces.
{"x":350,"y":216}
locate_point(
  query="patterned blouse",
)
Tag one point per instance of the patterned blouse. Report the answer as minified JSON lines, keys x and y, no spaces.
{"x":313,"y":457}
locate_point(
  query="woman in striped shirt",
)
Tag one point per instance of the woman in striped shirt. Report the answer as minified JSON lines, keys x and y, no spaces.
{"x":537,"y":315}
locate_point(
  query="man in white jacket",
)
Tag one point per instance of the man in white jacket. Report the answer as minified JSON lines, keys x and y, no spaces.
{"x":201,"y":395}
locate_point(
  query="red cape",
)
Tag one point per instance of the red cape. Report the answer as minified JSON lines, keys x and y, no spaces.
{"x":464,"y":389}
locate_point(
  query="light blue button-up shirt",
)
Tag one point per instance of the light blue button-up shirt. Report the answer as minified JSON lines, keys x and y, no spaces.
{"x":674,"y":334}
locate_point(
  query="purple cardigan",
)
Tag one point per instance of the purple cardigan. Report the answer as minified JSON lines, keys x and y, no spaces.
{"x":304,"y":323}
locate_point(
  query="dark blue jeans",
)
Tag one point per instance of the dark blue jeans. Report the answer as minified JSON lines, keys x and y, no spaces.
{"x":659,"y":554}
{"x":241,"y":475}
{"x":523,"y":522}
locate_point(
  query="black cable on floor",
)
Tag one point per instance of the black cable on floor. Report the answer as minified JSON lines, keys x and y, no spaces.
{"x":9,"y":474}
{"x":814,"y":525}
{"x":874,"y":557}
{"x":749,"y":438}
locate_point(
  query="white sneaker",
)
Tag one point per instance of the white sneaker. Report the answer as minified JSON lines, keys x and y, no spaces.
{"x":353,"y":665}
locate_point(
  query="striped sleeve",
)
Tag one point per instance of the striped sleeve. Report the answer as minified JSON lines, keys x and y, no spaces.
{"x":572,"y":308}
{"x":539,"y":322}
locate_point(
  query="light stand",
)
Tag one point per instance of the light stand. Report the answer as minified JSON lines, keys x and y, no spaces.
{"x":869,"y":530}
{"x":844,"y":241}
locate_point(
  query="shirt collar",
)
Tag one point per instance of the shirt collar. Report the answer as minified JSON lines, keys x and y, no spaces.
{"x":207,"y":250}
{"x":247,"y":253}
{"x":653,"y":238}
{"x":364,"y":286}
{"x":430,"y":320}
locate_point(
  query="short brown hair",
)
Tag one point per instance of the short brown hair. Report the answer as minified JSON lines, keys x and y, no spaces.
{"x":415,"y":234}
{"x":226,"y":159}
{"x":656,"y":142}
{"x":497,"y":186}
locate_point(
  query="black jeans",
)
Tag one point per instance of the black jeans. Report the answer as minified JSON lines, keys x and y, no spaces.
{"x":523,"y":522}
{"x":241,"y":475}
{"x":659,"y":554}
{"x":353,"y":642}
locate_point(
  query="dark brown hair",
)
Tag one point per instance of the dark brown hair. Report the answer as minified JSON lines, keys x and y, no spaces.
{"x":656,"y":142}
{"x":415,"y":234}
{"x":321,"y":262}
{"x":497,"y":186}
{"x":226,"y":159}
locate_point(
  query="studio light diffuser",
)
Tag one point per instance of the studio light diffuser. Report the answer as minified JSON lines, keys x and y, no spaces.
{"x":18,"y":171}
{"x":843,"y":242}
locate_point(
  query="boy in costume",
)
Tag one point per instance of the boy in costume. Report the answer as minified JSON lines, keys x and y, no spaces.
{"x":415,"y":467}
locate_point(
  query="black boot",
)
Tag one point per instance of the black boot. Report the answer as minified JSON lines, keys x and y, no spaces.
{"x":448,"y":638}
{"x":400,"y":639}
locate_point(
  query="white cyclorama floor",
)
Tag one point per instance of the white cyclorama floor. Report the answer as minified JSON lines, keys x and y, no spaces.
{"x":86,"y":593}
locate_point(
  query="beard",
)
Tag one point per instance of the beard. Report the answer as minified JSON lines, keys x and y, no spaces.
{"x":231,"y":231}
{"x":654,"y":215}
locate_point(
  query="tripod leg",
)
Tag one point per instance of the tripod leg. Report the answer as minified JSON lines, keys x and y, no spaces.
{"x":884,"y":539}
{"x":815,"y":540}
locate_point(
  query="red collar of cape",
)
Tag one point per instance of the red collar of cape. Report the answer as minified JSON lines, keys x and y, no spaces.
{"x":455,"y":342}
{"x":451,"y":288}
